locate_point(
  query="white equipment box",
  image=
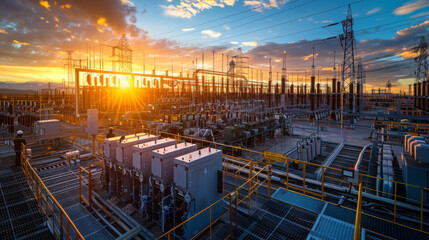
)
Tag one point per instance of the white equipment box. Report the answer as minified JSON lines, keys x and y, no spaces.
{"x":142,"y":155}
{"x":92,"y":122}
{"x":163,"y":160}
{"x":110,"y":144}
{"x":124,"y":150}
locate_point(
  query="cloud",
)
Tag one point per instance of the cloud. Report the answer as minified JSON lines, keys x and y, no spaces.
{"x":116,"y":14}
{"x":127,"y":2}
{"x":40,"y":44}
{"x":262,"y":5}
{"x":411,"y":29}
{"x":3,"y":31}
{"x":188,"y":29}
{"x":21,"y":43}
{"x":211,"y":33}
{"x":190,"y":8}
{"x":250,"y":44}
{"x":326,"y":21}
{"x":101,"y":21}
{"x":45,"y":4}
{"x":226,"y":27}
{"x":420,"y":15}
{"x":65,"y":6}
{"x":309,"y":56}
{"x":410,"y":7}
{"x":375,"y":10}
{"x":234,"y":43}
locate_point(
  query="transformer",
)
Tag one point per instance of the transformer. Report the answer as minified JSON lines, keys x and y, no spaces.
{"x":162,"y":179}
{"x":110,"y":144}
{"x":142,"y":162}
{"x":416,"y":172}
{"x":195,"y":188}
{"x":124,"y":150}
{"x":47,"y":130}
{"x":109,"y":157}
{"x":124,"y":185}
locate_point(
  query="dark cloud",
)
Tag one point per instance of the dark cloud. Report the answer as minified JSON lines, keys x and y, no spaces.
{"x":50,"y":31}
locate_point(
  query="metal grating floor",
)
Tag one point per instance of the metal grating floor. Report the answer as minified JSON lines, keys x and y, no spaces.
{"x":19,"y":213}
{"x":275,"y":221}
{"x":63,"y":182}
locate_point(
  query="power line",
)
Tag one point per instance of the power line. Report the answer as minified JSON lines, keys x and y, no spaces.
{"x":216,"y":19}
{"x":312,"y":29}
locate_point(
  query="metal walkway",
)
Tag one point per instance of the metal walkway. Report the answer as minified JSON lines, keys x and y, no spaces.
{"x":63,"y":182}
{"x":346,"y":159}
{"x":327,"y":149}
{"x":19,"y":212}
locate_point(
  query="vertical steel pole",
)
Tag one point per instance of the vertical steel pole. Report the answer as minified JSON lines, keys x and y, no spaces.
{"x":358,"y":230}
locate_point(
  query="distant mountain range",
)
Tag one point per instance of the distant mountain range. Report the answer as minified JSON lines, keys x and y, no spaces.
{"x":25,"y":87}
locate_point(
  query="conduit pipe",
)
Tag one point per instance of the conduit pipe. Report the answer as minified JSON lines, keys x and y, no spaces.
{"x":327,"y":185}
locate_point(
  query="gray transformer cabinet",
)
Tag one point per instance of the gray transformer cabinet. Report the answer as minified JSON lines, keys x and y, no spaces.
{"x":195,"y":180}
{"x":47,"y":130}
{"x":124,"y":154}
{"x":162,"y":179}
{"x":121,"y":164}
{"x":110,"y":145}
{"x":142,"y":162}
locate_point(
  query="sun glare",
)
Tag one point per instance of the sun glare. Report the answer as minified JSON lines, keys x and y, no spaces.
{"x":125,"y":84}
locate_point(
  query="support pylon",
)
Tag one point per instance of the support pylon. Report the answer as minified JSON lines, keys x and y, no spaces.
{"x":348,"y":70}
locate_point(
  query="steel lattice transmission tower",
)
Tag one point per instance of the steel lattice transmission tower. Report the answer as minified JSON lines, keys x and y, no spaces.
{"x":240,"y":63}
{"x":240,"y":66}
{"x":123,"y":56}
{"x":421,"y":59}
{"x":69,"y":64}
{"x":348,"y":68}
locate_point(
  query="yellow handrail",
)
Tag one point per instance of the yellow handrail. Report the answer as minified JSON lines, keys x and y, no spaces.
{"x":358,"y":222}
{"x":32,"y":177}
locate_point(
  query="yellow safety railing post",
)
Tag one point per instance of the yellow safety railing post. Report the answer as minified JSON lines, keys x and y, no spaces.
{"x":250,"y":184}
{"x":89,"y":187}
{"x":303,"y":177}
{"x":287,"y":174}
{"x":323,"y":182}
{"x":358,"y":226}
{"x":394,"y":203}
{"x":236,"y":209}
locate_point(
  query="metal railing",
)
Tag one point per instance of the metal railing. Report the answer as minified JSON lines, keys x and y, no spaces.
{"x":81,"y":196}
{"x":358,"y":221}
{"x":417,"y":127}
{"x":326,"y":181}
{"x":61,"y":224}
{"x":233,"y":200}
{"x":299,"y":182}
